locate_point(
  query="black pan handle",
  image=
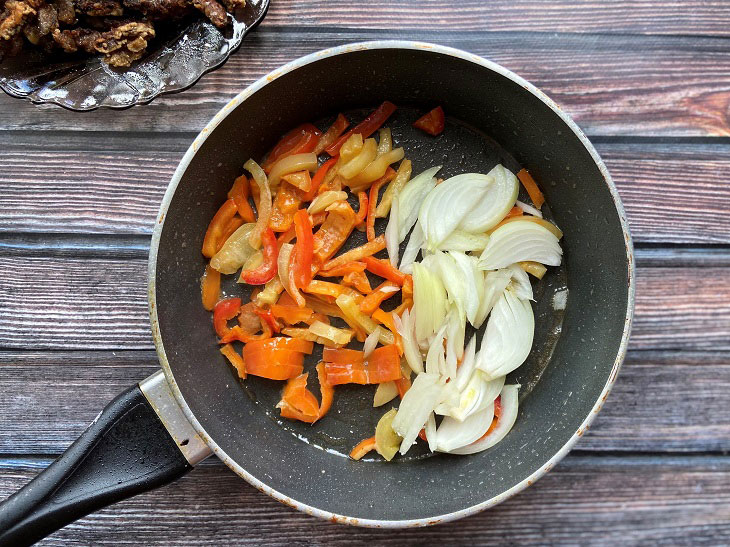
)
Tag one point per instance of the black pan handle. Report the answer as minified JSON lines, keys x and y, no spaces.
{"x":139,"y":442}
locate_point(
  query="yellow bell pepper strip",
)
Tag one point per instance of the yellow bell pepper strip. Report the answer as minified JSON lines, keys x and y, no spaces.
{"x":267,"y":270}
{"x":332,"y":134}
{"x":334,"y":231}
{"x":217,"y":227}
{"x":210,"y":287}
{"x":235,"y":359}
{"x":358,"y":253}
{"x":402,"y":176}
{"x":366,"y":127}
{"x":531,"y":186}
{"x":299,"y":179}
{"x":349,"y":367}
{"x":373,"y":201}
{"x":363,"y":447}
{"x":384,"y":269}
{"x":239,"y":192}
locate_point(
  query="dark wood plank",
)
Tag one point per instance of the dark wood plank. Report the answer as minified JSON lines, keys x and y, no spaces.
{"x":694,"y":17}
{"x":585,"y":500}
{"x":102,"y":304}
{"x":50,"y":398}
{"x":612,"y":85}
{"x":111,"y":183}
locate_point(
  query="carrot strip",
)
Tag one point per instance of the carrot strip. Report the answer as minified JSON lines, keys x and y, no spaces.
{"x":363,"y":447}
{"x":358,"y":253}
{"x":531,"y":186}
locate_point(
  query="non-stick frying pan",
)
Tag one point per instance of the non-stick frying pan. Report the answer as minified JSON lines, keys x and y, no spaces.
{"x":157,"y":431}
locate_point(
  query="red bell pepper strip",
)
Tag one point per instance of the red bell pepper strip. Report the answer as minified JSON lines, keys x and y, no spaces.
{"x":267,"y":317}
{"x":362,"y":448}
{"x":431,"y":122}
{"x":304,"y":249}
{"x":292,"y":288}
{"x":299,"y":140}
{"x":297,"y":402}
{"x":326,"y":390}
{"x":384,"y":269}
{"x":381,"y":293}
{"x":333,"y":233}
{"x":382,"y":365}
{"x":234,"y":224}
{"x":373,"y":202}
{"x":281,"y":342}
{"x":217,"y":226}
{"x":319,"y":178}
{"x":267,"y":269}
{"x":286,"y":237}
{"x":366,"y":127}
{"x":210,"y":288}
{"x":332,"y":134}
{"x":239,"y":192}
{"x":362,"y":212}
{"x":343,"y":270}
{"x":291,"y":315}
{"x":276,"y":358}
{"x":224,"y":311}
{"x":358,"y":281}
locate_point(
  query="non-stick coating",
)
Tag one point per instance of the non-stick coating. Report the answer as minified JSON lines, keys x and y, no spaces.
{"x":595,"y":260}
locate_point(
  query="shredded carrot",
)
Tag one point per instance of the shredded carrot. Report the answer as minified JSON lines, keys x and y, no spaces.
{"x":235,"y":359}
{"x":381,"y":293}
{"x":363,"y":447}
{"x":531,"y":186}
{"x":358,"y":253}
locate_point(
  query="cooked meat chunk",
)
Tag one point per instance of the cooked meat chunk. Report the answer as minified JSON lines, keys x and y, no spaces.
{"x":65,"y":11}
{"x":126,"y":43}
{"x":13,"y":17}
{"x":213,"y":11}
{"x":99,"y":8}
{"x":231,"y":5}
{"x":77,"y":39}
{"x":47,"y":20}
{"x":160,"y":9}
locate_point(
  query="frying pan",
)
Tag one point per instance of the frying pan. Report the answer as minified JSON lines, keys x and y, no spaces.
{"x":158,"y":430}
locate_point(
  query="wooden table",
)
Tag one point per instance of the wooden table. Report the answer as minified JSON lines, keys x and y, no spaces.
{"x":649,"y":81}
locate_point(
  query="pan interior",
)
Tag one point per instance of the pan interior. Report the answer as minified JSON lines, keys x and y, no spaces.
{"x":564,"y":374}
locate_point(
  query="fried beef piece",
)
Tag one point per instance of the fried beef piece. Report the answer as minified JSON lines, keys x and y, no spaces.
{"x":160,"y":9}
{"x":77,"y":39}
{"x":12,"y":19}
{"x":65,"y":11}
{"x":231,"y":5}
{"x":47,"y":20}
{"x":126,"y":43}
{"x":213,"y":11}
{"x":99,"y":8}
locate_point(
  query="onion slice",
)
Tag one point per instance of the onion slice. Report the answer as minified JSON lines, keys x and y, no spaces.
{"x":518,"y":241}
{"x":415,"y":242}
{"x":504,"y":424}
{"x":453,"y":434}
{"x":411,"y":198}
{"x":404,"y":326}
{"x":496,"y":202}
{"x":418,"y":402}
{"x":371,"y":342}
{"x":265,"y":204}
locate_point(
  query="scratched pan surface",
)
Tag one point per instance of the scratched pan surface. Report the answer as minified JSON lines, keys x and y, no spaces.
{"x":490,"y":118}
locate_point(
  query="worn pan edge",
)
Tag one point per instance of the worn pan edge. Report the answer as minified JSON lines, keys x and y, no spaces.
{"x":177,"y":176}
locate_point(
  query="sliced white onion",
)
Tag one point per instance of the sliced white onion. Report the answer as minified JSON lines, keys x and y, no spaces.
{"x":435,"y":355}
{"x":415,"y":242}
{"x":449,"y":203}
{"x":494,"y":285}
{"x":455,"y":332}
{"x":508,"y":338}
{"x":392,"y":240}
{"x":418,"y":402}
{"x":235,"y":251}
{"x":473,"y":283}
{"x":518,"y":241}
{"x":371,"y":342}
{"x":429,"y":302}
{"x":476,"y":395}
{"x":411,"y":198}
{"x":520,"y":282}
{"x":452,"y":278}
{"x":404,"y":326}
{"x":504,"y":424}
{"x":453,"y":434}
{"x":529,"y":209}
{"x":496,"y":202}
{"x":459,"y":240}
{"x":431,"y":434}
{"x":283,"y":263}
{"x":468,"y":364}
{"x":385,"y":392}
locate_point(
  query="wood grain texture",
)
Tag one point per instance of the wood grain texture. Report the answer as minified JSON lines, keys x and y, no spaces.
{"x":641,"y":415}
{"x":111,"y":183}
{"x":695,"y":17}
{"x":102,"y":304}
{"x":612,"y":85}
{"x":584,"y":500}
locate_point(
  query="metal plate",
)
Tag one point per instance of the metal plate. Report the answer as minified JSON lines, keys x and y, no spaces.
{"x":485,"y":104}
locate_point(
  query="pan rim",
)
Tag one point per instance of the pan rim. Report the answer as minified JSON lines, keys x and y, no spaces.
{"x":182,"y":167}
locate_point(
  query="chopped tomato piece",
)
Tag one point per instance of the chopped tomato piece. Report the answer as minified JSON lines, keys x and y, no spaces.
{"x":366,"y":127}
{"x":363,"y":447}
{"x":300,"y":140}
{"x":217,"y":227}
{"x":235,"y":359}
{"x":382,"y":365}
{"x":210,"y":287}
{"x":381,"y":293}
{"x":432,"y":123}
{"x":267,"y":270}
{"x":384,"y":269}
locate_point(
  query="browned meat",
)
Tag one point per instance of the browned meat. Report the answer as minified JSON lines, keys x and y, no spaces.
{"x":47,"y":20}
{"x":13,"y":18}
{"x":160,"y":9}
{"x":99,"y":8}
{"x":231,"y":5}
{"x":77,"y":39}
{"x":213,"y":11}
{"x":65,"y":10}
{"x":126,"y":43}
